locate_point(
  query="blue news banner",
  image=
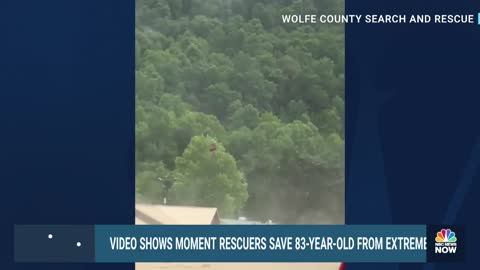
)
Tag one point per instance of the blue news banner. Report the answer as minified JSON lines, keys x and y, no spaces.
{"x":237,"y":243}
{"x":261,"y":243}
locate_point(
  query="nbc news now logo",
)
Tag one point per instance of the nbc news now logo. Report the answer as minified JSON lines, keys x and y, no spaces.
{"x":445,"y":242}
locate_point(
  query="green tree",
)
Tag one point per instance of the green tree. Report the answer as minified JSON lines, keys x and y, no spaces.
{"x":244,"y":116}
{"x":209,"y":178}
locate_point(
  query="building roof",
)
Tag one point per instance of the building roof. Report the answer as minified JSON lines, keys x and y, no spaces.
{"x":152,"y":214}
{"x":139,"y":221}
{"x":168,"y":214}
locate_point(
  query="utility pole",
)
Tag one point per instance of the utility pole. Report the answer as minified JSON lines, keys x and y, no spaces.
{"x":167,"y":185}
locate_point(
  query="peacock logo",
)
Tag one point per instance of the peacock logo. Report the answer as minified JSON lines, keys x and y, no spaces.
{"x":445,"y":236}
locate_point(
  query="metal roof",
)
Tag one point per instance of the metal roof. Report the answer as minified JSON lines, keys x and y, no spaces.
{"x":168,"y":214}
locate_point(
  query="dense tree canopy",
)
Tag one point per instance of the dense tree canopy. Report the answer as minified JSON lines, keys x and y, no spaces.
{"x":269,"y":95}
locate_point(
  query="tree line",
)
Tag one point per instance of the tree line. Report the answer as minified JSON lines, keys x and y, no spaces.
{"x":268,"y":96}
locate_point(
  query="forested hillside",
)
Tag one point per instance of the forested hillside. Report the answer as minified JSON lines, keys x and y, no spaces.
{"x":236,"y":110}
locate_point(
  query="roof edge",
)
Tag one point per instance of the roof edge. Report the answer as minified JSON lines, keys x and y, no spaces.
{"x":146,"y":218}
